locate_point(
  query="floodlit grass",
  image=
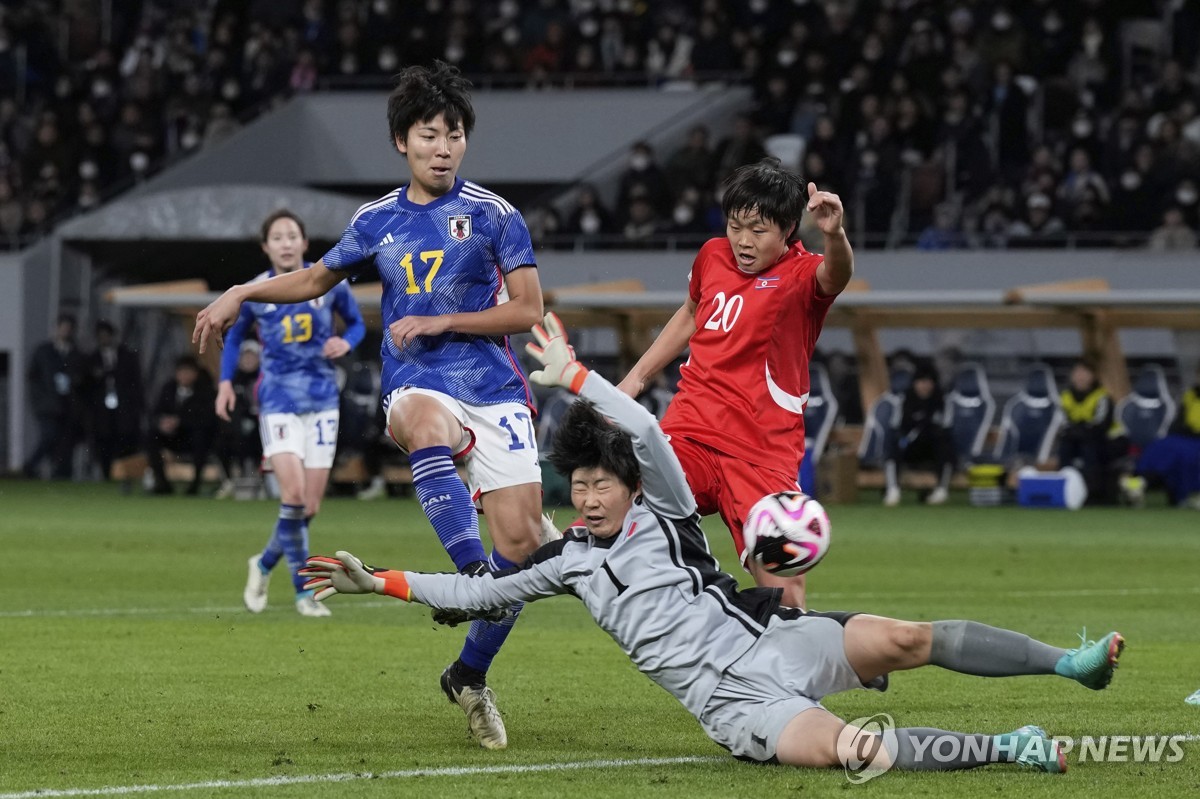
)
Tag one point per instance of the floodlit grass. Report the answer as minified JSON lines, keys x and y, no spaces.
{"x":126,"y":658}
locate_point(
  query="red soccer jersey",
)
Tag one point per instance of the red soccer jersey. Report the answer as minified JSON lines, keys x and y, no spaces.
{"x":744,"y":387}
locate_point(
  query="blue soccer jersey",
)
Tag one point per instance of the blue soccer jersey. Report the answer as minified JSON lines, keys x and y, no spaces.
{"x":448,"y":256}
{"x":295,"y":377}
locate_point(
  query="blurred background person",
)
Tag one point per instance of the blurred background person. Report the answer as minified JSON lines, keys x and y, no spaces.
{"x":183,"y":422}
{"x":56,"y":377}
{"x":116,"y":398}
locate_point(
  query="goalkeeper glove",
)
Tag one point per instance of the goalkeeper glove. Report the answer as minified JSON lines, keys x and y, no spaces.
{"x":346,"y":574}
{"x":556,"y":356}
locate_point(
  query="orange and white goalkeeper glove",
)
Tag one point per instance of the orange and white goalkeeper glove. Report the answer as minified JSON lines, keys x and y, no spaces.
{"x":346,"y":574}
{"x":557,"y":357}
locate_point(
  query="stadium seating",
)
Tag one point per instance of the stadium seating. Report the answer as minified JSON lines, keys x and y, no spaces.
{"x":969,"y":412}
{"x":1147,"y":412}
{"x":883,"y":415}
{"x":1030,"y":420}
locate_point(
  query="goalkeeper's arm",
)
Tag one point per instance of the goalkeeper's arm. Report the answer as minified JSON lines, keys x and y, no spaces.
{"x":346,"y":574}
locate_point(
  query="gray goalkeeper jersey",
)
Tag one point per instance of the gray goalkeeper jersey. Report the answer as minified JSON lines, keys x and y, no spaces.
{"x":654,"y":587}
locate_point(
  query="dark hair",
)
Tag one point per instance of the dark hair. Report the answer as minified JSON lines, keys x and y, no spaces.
{"x":282,"y":213}
{"x":422,"y":93}
{"x":188,"y":362}
{"x":105,"y":326}
{"x":69,"y":318}
{"x":586,"y":440}
{"x":769,"y":190}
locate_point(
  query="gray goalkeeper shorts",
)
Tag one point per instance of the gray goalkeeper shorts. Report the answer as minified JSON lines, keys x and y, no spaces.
{"x":793,"y":666}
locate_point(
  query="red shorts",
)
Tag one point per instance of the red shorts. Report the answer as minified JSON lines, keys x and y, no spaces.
{"x":727,"y":485}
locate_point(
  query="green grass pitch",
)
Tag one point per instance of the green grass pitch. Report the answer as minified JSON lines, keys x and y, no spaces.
{"x":126,"y":658}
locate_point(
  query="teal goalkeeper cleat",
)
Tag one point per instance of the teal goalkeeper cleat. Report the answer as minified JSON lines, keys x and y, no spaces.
{"x":1037,"y":751}
{"x":1092,"y":664}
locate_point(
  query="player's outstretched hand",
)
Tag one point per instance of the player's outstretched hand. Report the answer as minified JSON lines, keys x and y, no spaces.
{"x":346,"y":574}
{"x":213,"y":321}
{"x":335,"y":347}
{"x":826,"y":210}
{"x":557,"y":357}
{"x":226,"y":400}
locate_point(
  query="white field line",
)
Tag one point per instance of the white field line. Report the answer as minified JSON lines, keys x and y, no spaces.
{"x":821,"y":598}
{"x":304,"y":779}
{"x":459,"y":771}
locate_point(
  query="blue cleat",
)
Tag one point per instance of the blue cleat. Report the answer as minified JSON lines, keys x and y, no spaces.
{"x":1093,"y":663}
{"x":1033,"y":749}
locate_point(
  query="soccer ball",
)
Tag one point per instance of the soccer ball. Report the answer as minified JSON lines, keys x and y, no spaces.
{"x":788,"y":533}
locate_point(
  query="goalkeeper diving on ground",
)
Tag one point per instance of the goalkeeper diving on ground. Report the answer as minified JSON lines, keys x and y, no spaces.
{"x":750,"y":670}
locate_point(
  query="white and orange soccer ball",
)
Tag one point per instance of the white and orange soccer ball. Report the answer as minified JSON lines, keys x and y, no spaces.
{"x":788,"y":533}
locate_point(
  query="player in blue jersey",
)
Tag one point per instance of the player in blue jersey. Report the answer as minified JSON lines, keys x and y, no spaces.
{"x":459,"y":276}
{"x":298,"y":401}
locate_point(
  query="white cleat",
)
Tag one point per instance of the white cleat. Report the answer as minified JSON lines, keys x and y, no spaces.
{"x":376,"y":490}
{"x":892,"y":498}
{"x":479,"y":703}
{"x":937,"y":496}
{"x":255,"y":594}
{"x":307,"y":606}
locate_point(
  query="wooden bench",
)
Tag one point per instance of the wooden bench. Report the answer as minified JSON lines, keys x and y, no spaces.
{"x":132,"y":468}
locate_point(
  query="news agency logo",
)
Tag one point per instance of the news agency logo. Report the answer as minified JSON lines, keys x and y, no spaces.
{"x":1124,"y":748}
{"x":860,"y":742}
{"x":867,"y":745}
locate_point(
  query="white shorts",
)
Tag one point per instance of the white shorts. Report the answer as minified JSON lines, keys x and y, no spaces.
{"x":312,"y":437}
{"x":498,"y":445}
{"x":793,"y":666}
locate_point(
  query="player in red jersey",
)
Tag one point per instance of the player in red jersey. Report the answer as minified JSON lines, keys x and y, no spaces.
{"x":756,"y":303}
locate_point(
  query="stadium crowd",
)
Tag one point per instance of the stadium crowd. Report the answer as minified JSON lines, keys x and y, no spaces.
{"x":959,"y":123}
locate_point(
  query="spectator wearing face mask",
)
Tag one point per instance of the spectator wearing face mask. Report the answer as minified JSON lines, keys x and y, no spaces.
{"x":1040,"y":227}
{"x":643,"y":178}
{"x":687,"y":217}
{"x":589,"y":218}
{"x":692,"y":164}
{"x":1173,"y":233}
{"x":1187,"y":198}
{"x":740,"y":148}
{"x":1135,"y":196}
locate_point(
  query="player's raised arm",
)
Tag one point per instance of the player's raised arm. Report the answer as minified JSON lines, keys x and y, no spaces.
{"x":835,"y":271}
{"x":298,"y":286}
{"x":664,"y":485}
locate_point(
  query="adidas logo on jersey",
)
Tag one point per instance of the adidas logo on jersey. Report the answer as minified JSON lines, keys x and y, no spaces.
{"x":387,"y":240}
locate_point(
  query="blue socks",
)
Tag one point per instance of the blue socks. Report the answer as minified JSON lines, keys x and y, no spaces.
{"x":485,"y":638}
{"x":447,"y":503}
{"x":289,"y":540}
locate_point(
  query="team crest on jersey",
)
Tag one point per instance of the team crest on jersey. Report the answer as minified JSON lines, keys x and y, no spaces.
{"x":460,"y":226}
{"x":318,"y":303}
